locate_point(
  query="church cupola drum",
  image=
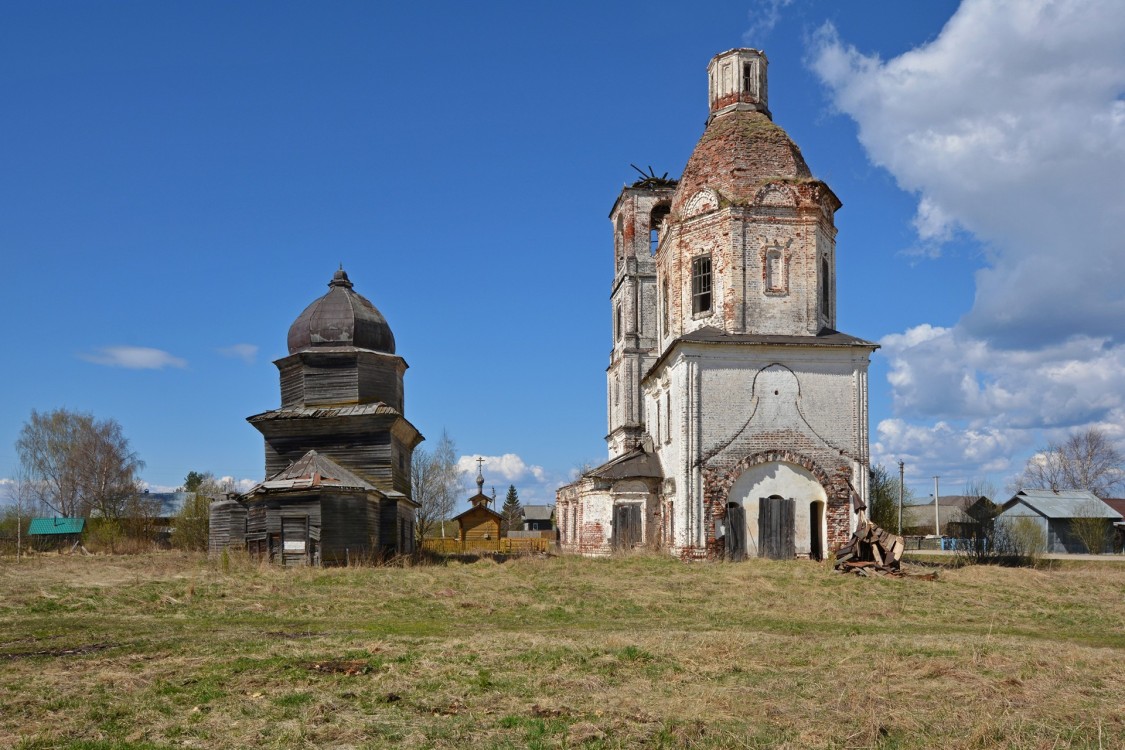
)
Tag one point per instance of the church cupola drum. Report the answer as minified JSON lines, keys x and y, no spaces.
{"x":737,"y":412}
{"x":339,"y":449}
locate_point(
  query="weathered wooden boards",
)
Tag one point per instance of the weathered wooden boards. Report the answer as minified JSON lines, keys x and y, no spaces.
{"x":871,"y":551}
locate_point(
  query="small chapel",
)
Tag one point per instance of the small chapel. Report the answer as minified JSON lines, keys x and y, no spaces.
{"x":337,"y":451}
{"x":737,"y":412}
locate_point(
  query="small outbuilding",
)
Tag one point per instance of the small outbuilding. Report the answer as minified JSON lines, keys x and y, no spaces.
{"x":538,"y":517}
{"x":1054,"y":512}
{"x":55,"y":533}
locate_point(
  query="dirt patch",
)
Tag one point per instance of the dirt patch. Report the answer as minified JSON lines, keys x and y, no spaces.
{"x":348,"y":667}
{"x":75,"y":651}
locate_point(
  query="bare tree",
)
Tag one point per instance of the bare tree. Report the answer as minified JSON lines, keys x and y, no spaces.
{"x":980,"y":488}
{"x":1091,"y":526}
{"x":193,"y":522}
{"x":77,"y":465}
{"x":436,"y":483}
{"x":19,"y":492}
{"x":1085,"y":461}
{"x":882,"y":498}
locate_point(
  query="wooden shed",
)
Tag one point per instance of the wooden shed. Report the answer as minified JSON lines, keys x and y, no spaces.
{"x":227,"y":527}
{"x":55,"y":533}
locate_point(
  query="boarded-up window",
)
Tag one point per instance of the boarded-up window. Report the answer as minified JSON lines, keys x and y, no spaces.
{"x":775,"y":270}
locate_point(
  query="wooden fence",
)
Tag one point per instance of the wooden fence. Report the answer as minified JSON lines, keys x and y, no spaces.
{"x":503,"y":545}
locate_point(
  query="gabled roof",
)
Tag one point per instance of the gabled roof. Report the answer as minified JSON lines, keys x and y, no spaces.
{"x":1063,"y":503}
{"x":52,"y":526}
{"x":313,"y":470}
{"x":475,"y":509}
{"x":538,"y":512}
{"x":951,"y":501}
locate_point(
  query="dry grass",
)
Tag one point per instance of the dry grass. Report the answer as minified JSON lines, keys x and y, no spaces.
{"x":168,"y":650}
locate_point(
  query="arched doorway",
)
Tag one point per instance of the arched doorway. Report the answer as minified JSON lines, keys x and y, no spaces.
{"x":785,"y":481}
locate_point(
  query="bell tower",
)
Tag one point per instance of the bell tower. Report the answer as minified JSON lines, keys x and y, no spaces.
{"x":638,"y":219}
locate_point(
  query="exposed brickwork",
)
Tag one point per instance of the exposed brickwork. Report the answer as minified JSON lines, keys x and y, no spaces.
{"x":716,"y":410}
{"x":720,"y":476}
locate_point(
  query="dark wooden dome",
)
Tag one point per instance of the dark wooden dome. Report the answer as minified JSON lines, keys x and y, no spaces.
{"x":341,"y":318}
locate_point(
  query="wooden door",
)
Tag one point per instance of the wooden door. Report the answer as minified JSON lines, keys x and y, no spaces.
{"x":736,"y":532}
{"x":775,"y":528}
{"x":294,"y":540}
{"x":626,"y":526}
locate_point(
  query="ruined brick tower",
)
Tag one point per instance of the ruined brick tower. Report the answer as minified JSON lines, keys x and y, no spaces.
{"x":737,"y":413}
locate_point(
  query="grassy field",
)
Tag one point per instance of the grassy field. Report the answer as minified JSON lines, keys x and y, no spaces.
{"x":170,"y":650}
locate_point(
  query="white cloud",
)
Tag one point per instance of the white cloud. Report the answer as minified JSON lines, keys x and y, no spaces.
{"x":763,"y":18}
{"x":133,"y":358}
{"x":1010,"y":125}
{"x":246,"y":352}
{"x":536,"y":485}
{"x":240,"y":485}
{"x":508,"y":466}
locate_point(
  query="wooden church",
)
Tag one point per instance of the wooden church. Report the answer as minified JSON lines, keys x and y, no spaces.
{"x":337,"y":451}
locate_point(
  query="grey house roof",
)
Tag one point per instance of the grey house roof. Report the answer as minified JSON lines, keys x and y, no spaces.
{"x":538,"y":512}
{"x":1062,"y":504}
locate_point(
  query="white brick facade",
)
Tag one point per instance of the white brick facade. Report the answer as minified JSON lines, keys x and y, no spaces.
{"x":727,"y":382}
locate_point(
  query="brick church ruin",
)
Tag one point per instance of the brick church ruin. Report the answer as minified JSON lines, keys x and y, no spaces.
{"x":338,"y":450}
{"x":737,"y":412}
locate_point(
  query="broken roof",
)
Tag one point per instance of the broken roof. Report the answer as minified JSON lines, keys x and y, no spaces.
{"x":635,"y":463}
{"x":324,"y":412}
{"x":313,"y":471}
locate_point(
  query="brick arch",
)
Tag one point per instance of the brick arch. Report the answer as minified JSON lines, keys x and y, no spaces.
{"x":718,"y":482}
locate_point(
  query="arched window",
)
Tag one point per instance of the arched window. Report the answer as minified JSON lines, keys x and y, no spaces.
{"x":617,"y":323}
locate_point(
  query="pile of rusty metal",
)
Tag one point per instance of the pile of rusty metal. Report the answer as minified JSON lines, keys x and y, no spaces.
{"x":872,"y":550}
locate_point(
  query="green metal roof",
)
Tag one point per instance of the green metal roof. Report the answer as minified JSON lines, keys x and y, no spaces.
{"x":44,"y":526}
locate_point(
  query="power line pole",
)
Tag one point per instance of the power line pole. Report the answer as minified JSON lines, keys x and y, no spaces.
{"x":901,"y":492}
{"x":937,"y":517}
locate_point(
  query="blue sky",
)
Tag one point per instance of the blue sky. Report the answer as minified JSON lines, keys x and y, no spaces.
{"x":179,"y":180}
